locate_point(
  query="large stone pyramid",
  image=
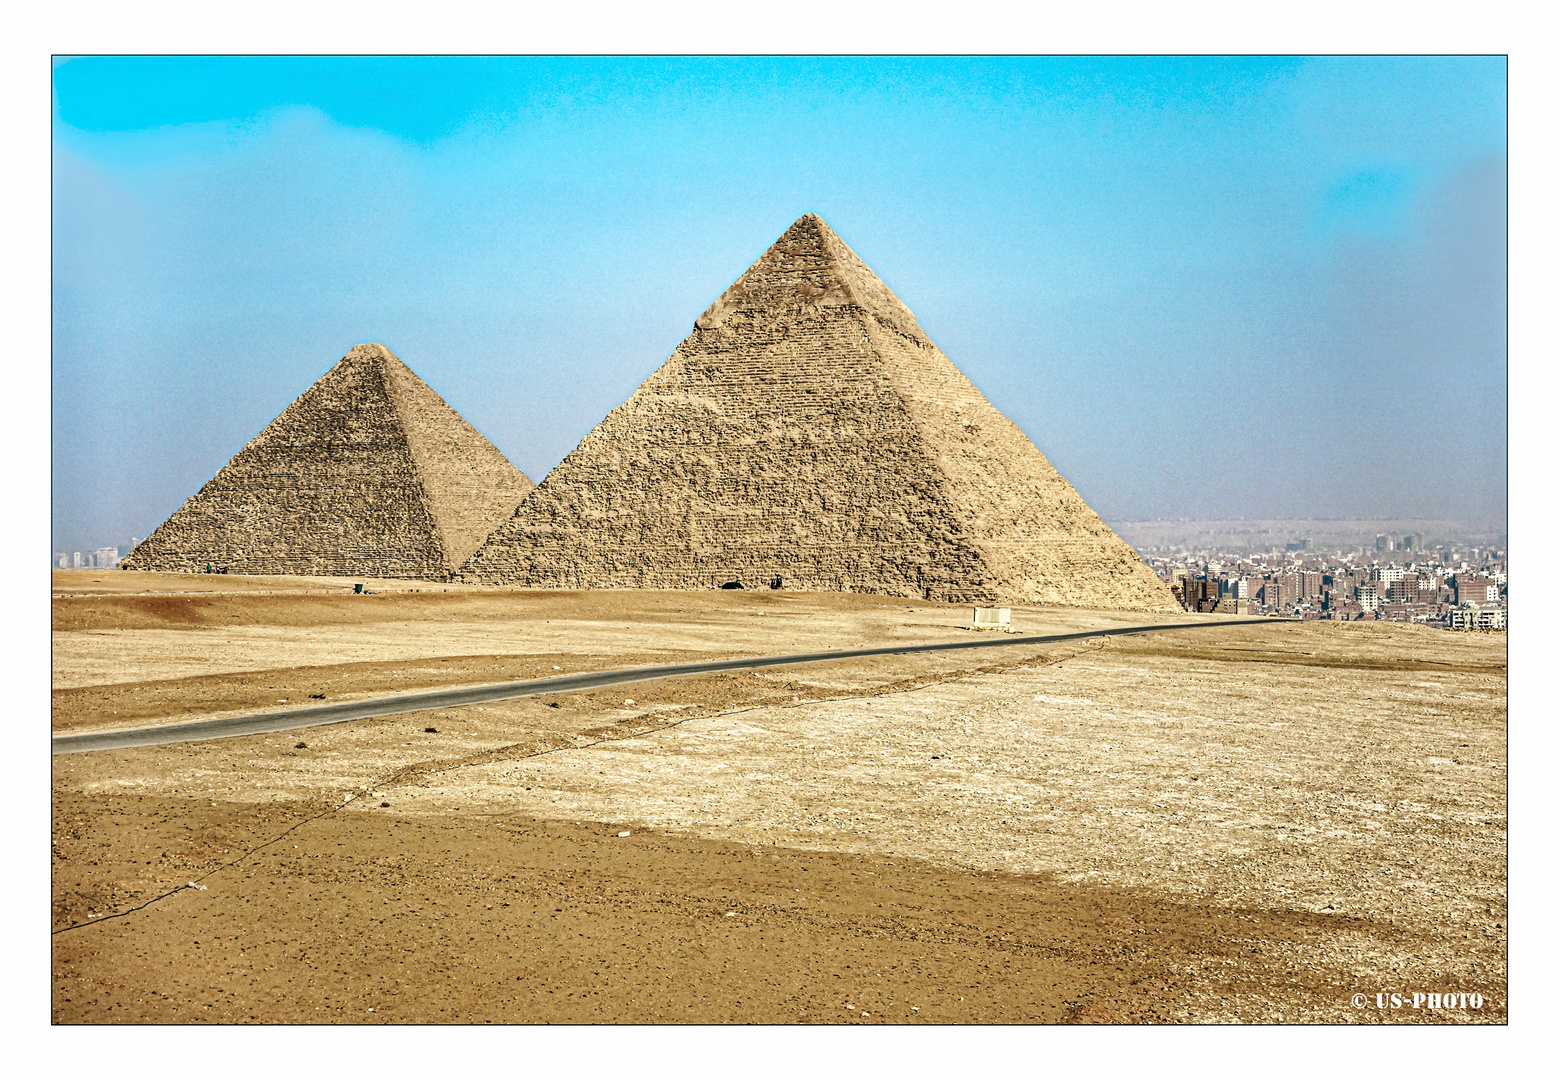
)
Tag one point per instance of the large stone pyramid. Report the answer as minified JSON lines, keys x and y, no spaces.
{"x":369,"y":473}
{"x":807,"y":429}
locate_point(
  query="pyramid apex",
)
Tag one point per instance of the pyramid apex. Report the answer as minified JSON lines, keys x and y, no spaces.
{"x":369,"y":350}
{"x":813,"y":223}
{"x":808,"y":268}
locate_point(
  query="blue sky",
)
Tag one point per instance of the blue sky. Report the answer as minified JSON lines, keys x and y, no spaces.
{"x":1204,"y":287}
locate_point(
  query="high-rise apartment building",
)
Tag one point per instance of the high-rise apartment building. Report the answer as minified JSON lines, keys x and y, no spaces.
{"x":1279,"y":593}
{"x":1405,"y":590}
{"x":1476,"y":589}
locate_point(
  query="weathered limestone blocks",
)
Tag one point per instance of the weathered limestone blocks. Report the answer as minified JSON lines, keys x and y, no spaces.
{"x":808,"y":429}
{"x":369,"y":473}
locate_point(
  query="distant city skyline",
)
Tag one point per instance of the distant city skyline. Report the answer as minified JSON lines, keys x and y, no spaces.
{"x":1277,"y":284}
{"x":1448,"y":586}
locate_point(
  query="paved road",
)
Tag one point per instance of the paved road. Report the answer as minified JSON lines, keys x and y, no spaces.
{"x":263,"y":723}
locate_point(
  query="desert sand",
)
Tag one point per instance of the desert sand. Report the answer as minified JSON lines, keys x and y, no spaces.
{"x":1229,"y":824}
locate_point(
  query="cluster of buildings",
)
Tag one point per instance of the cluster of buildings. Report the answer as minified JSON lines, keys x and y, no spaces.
{"x":1398,"y":578}
{"x":103,"y":558}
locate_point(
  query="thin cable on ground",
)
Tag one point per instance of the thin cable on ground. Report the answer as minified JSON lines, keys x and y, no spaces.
{"x":196,"y":883}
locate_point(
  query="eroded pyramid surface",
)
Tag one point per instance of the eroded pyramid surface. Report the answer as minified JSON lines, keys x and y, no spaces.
{"x":368,"y":473}
{"x":808,"y":429}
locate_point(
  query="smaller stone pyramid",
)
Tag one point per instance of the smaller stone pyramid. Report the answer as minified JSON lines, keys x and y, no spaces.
{"x":368,"y":474}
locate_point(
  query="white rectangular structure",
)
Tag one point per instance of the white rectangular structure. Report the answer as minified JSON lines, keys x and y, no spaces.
{"x":1474,"y":618}
{"x":993,"y":616}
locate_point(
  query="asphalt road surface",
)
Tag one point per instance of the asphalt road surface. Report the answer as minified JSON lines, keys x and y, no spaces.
{"x":263,"y":723}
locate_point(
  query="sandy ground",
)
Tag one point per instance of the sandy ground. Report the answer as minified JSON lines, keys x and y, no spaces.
{"x":1238,"y":823}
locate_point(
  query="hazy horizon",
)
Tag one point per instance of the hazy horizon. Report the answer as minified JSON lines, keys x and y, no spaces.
{"x":1326,"y":532}
{"x":1273,"y":286}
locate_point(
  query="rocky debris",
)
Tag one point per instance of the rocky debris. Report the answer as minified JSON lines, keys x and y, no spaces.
{"x":368,"y":473}
{"x":809,"y":432}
